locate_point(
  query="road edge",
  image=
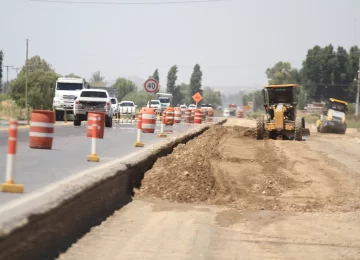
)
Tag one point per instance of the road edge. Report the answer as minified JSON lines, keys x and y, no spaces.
{"x":51,"y":220}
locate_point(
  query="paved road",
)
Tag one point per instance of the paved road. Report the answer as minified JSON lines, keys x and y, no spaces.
{"x":36,"y":168}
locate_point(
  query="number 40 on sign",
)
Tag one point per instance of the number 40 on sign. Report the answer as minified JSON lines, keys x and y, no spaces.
{"x":151,"y":86}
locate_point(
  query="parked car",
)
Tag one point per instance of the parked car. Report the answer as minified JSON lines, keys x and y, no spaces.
{"x":183,"y":107}
{"x":127,"y":108}
{"x":156,"y":104}
{"x":192,"y":106}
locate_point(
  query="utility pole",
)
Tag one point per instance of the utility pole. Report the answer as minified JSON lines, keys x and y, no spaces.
{"x":358,"y":91}
{"x":17,"y":70}
{"x":7,"y":76}
{"x":26,"y":81}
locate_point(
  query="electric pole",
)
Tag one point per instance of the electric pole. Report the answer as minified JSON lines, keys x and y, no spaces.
{"x":17,"y":70}
{"x":358,"y":91}
{"x":7,"y":76}
{"x":26,"y":81}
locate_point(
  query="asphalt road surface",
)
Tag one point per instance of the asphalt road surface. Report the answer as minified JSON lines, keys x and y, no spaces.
{"x":35,"y":168}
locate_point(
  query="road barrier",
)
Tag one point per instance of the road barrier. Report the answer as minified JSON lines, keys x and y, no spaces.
{"x":210,"y":112}
{"x":93,"y":157}
{"x":41,"y":129}
{"x":187,"y":116}
{"x":126,"y":116}
{"x":138,"y":137}
{"x":177,"y":113}
{"x":148,"y":120}
{"x":204,"y":114}
{"x":197,"y":116}
{"x":9,"y":185}
{"x":192,"y":116}
{"x":95,"y":118}
{"x":162,"y":134}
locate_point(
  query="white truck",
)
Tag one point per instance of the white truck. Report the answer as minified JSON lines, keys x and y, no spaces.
{"x":165,"y":100}
{"x":66,"y":91}
{"x":93,"y":100}
{"x":127,"y":108}
{"x":156,"y":104}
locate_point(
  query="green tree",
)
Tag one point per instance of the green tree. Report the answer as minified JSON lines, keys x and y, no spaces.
{"x":139,"y":98}
{"x":282,"y":73}
{"x":171,"y":79}
{"x":97,"y":80}
{"x":72,"y":75}
{"x":124,"y":87}
{"x":156,"y":75}
{"x":195,"y":80}
{"x":185,"y":92}
{"x":41,"y":84}
{"x":212,"y":97}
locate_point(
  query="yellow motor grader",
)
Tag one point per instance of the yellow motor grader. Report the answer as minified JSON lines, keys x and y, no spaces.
{"x":281,"y":120}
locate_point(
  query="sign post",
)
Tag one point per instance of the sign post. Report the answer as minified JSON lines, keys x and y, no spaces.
{"x":197,"y":98}
{"x":151,"y":86}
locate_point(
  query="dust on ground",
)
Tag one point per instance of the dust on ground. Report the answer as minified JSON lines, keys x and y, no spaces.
{"x":227,"y":166}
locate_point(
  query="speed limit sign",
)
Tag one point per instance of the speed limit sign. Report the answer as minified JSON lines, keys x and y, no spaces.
{"x":151,"y":86}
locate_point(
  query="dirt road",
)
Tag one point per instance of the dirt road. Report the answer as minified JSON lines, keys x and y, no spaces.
{"x":225,"y":195}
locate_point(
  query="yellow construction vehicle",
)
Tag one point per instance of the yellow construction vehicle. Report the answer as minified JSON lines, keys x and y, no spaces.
{"x":281,"y":120}
{"x":333,"y":118}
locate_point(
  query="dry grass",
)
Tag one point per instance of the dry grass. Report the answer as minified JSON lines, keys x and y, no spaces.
{"x":8,"y":109}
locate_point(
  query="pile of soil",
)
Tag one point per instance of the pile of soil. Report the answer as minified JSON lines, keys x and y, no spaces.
{"x":227,"y":166}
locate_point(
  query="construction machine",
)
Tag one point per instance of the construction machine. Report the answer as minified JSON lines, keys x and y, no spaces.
{"x":281,"y":120}
{"x":333,"y":118}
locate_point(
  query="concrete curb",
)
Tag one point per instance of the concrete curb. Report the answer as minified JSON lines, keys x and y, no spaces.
{"x":40,"y":225}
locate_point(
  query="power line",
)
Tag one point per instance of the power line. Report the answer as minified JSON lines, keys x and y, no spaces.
{"x":131,"y":3}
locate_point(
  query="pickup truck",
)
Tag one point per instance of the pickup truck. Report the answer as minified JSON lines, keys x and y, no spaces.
{"x":92,"y":100}
{"x":156,"y":104}
{"x":127,"y":108}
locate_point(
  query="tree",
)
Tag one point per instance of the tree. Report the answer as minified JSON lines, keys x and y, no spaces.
{"x":195,"y":80}
{"x":124,"y":86}
{"x":156,"y":75}
{"x":1,"y":68}
{"x":212,"y":97}
{"x":185,"y":92}
{"x":72,"y":75}
{"x":97,"y":80}
{"x":282,"y":73}
{"x":171,"y":79}
{"x":41,"y":84}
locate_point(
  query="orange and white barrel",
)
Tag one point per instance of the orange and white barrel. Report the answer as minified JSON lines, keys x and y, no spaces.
{"x":98,"y":119}
{"x":197,"y":116}
{"x":187,"y":115}
{"x":41,"y":129}
{"x":169,"y":116}
{"x":148,"y":122}
{"x":192,"y":116}
{"x":204,"y":113}
{"x":12,"y":143}
{"x":177,"y":113}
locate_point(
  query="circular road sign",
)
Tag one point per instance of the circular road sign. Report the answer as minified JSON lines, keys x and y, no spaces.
{"x":151,"y":85}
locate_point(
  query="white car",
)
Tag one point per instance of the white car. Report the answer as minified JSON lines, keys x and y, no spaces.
{"x":114,"y":104}
{"x":155,"y":104}
{"x":127,"y":108}
{"x":226,"y":112}
{"x":92,"y":100}
{"x":183,"y":107}
{"x":192,"y":106}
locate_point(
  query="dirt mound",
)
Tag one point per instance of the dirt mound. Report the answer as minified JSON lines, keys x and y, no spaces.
{"x":228,"y":166}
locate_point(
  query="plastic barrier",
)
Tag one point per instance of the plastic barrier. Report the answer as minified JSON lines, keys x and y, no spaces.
{"x":177,"y":111}
{"x":41,"y":129}
{"x":197,"y":116}
{"x":93,"y":157}
{"x":162,"y":134}
{"x":192,"y":116}
{"x":97,"y":118}
{"x":169,"y":116}
{"x":148,"y":120}
{"x":210,"y":112}
{"x":138,"y":137}
{"x":204,"y":113}
{"x":9,"y":185}
{"x":187,"y":116}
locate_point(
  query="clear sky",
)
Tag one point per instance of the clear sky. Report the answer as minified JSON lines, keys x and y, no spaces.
{"x":233,"y":41}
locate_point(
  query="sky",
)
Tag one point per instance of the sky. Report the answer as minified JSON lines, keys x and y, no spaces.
{"x":233,"y":41}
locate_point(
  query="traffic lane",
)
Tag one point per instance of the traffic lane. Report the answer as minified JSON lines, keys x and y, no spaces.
{"x":35,"y":168}
{"x":23,"y":133}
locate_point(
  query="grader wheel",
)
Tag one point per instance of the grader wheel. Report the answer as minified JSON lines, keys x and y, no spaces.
{"x":298,"y":127}
{"x":260,"y":129}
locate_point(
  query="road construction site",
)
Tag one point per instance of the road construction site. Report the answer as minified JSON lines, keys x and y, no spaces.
{"x":226,"y":195}
{"x":211,"y":192}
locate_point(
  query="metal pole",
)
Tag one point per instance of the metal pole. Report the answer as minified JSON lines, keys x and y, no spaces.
{"x":358,"y":90}
{"x":26,"y":81}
